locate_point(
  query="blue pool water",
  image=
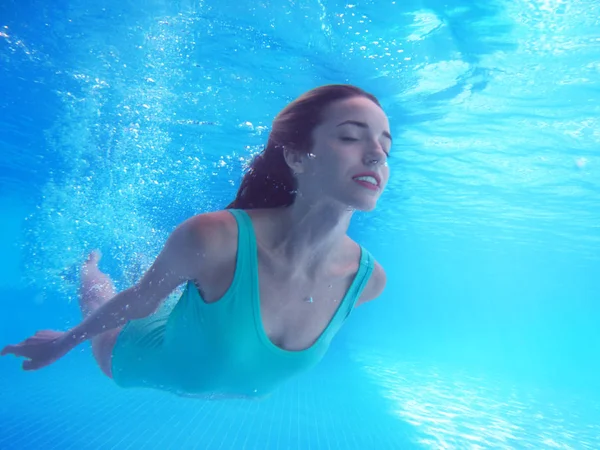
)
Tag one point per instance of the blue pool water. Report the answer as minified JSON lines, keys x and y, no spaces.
{"x":120,"y":119}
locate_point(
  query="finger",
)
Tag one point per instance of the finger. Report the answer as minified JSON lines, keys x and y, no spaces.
{"x":8,"y":349}
{"x":17,"y":350}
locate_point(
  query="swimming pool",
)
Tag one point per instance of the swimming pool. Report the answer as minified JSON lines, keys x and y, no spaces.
{"x":119,"y":120}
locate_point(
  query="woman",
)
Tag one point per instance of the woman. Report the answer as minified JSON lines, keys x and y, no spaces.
{"x":268,"y":281}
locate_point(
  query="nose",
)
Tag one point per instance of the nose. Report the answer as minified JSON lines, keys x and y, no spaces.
{"x":375,"y":154}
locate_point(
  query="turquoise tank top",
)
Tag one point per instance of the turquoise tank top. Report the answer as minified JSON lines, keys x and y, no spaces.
{"x":220,"y":349}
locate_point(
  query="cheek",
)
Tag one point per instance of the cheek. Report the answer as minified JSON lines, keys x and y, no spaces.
{"x":329,"y":158}
{"x":386,"y":173}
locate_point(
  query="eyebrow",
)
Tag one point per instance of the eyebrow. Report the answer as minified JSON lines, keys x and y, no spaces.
{"x":363,"y":125}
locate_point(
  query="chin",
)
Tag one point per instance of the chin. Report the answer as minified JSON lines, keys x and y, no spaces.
{"x":364,"y":205}
{"x":367,"y":208}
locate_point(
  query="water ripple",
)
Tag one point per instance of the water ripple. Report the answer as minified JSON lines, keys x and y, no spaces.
{"x":451,"y":409}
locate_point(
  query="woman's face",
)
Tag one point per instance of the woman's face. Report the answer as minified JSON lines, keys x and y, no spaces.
{"x":348,"y":160}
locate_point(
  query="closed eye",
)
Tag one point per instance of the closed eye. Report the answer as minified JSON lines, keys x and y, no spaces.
{"x":351,"y":139}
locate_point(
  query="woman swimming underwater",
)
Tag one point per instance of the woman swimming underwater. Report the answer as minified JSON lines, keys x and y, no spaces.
{"x":268,"y":281}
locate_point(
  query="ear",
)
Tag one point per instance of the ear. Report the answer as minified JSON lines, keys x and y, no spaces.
{"x":294,"y":159}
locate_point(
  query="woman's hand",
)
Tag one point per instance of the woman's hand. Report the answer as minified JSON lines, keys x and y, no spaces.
{"x":41,"y":349}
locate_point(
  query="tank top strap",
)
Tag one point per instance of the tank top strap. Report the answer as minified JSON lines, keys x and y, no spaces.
{"x":246,"y":268}
{"x":245,"y":231}
{"x":365,"y":269}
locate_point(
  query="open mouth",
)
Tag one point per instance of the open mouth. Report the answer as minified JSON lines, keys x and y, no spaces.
{"x":367,"y":181}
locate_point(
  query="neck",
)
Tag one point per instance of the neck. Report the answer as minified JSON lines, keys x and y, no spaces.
{"x":306,"y":233}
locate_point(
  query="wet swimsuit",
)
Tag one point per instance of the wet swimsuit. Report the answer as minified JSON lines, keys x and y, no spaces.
{"x":192,"y":347}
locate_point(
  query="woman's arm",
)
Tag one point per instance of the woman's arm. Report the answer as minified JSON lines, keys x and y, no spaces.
{"x":176,"y":263}
{"x":190,"y":252}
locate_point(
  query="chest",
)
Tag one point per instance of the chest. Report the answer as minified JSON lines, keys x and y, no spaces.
{"x":296,"y":312}
{"x":289,"y":318}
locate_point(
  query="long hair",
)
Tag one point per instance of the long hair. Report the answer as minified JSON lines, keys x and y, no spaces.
{"x":269,"y":181}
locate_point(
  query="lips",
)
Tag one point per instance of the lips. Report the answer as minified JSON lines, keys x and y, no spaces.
{"x":368,"y":179}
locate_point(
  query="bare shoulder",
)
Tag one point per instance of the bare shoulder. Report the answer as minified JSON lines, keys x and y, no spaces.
{"x":375,"y":286}
{"x":209,"y":226}
{"x":207,"y":247}
{"x":197,"y":249}
{"x":213,"y":233}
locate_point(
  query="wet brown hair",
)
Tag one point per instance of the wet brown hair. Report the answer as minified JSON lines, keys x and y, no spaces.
{"x":269,"y":181}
